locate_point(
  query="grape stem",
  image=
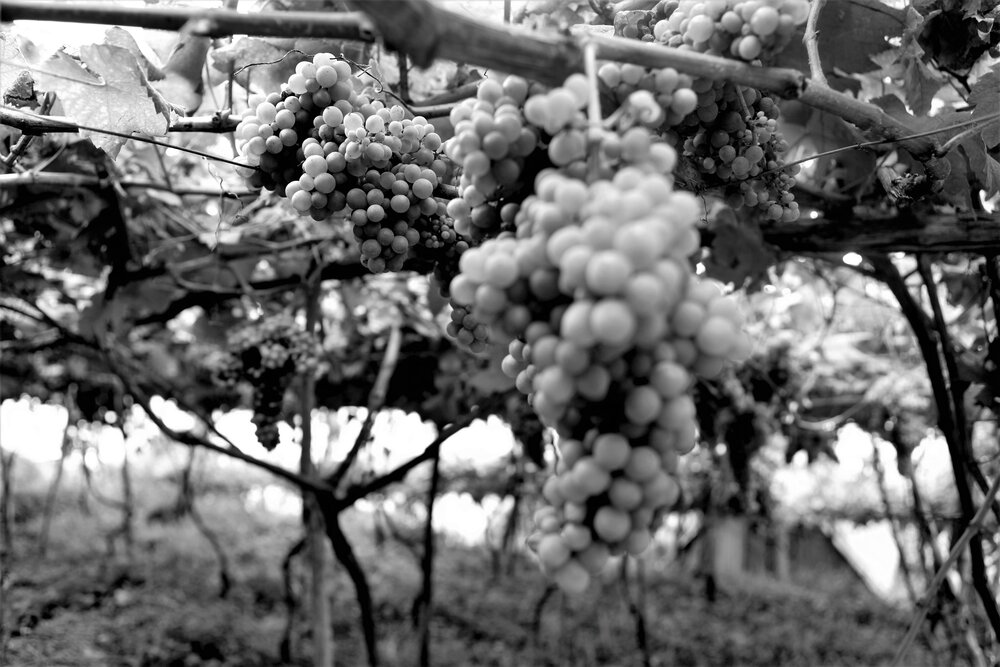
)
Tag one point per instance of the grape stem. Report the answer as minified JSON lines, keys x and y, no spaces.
{"x":593,"y":109}
{"x":746,"y":109}
{"x":594,"y":101}
{"x":219,"y":122}
{"x":812,"y":43}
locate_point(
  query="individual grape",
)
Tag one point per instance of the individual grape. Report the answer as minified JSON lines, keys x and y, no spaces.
{"x":685,"y":101}
{"x":301,"y":201}
{"x":764,"y":21}
{"x":612,"y":322}
{"x":611,"y":525}
{"x":749,"y":47}
{"x":611,"y":451}
{"x":700,"y":28}
{"x":572,"y":577}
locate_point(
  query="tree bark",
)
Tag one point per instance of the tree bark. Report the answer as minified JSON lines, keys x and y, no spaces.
{"x":425,"y":604}
{"x":319,"y":604}
{"x":197,"y":20}
{"x":50,"y":496}
{"x":6,"y":542}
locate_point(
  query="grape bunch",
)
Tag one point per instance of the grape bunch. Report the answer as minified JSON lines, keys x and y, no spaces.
{"x":728,"y":133}
{"x":342,"y":151}
{"x":559,"y":116}
{"x":635,"y":24}
{"x":442,"y":246}
{"x":273,"y":132}
{"x":744,"y":29}
{"x":492,"y":145}
{"x":742,"y":152}
{"x":498,"y":290}
{"x":268,"y":355}
{"x":669,"y":91}
{"x":607,"y":327}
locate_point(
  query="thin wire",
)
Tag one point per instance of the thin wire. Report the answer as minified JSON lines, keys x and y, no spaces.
{"x":867,"y":144}
{"x":137,"y":137}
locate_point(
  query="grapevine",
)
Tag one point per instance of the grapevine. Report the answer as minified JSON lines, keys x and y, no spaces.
{"x":329,"y":149}
{"x":729,"y":133}
{"x":567,"y":244}
{"x":268,"y":355}
{"x":607,"y":327}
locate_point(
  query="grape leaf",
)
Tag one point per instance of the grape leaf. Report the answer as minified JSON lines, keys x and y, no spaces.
{"x":738,"y":253}
{"x":120,"y":37}
{"x":920,"y":83}
{"x":267,"y":65}
{"x":985,"y":97}
{"x":105,"y":89}
{"x":982,"y":166}
{"x":956,"y":186}
{"x":182,"y":81}
{"x":972,"y":7}
{"x":865,"y":26}
{"x":102,"y":317}
{"x":971,"y":164}
{"x":827,"y":132}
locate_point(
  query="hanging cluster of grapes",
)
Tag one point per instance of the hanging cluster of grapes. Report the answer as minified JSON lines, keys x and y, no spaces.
{"x":744,"y":29}
{"x":492,"y":145}
{"x":567,"y":245}
{"x":607,"y":326}
{"x":328,"y":148}
{"x":268,"y":355}
{"x":557,"y":116}
{"x":728,"y":132}
{"x":670,"y":91}
{"x":736,"y":144}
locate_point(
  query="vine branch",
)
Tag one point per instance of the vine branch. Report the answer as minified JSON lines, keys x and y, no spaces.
{"x":975,"y":526}
{"x":948,"y":424}
{"x":196,"y":20}
{"x":425,"y":31}
{"x":192,"y":439}
{"x":400,"y":472}
{"x":88,"y":180}
{"x":31,"y":123}
{"x":812,"y":43}
{"x":376,"y":399}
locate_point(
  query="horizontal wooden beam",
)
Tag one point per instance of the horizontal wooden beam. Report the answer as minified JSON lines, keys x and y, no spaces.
{"x":901,"y":232}
{"x":205,"y":22}
{"x":425,"y":31}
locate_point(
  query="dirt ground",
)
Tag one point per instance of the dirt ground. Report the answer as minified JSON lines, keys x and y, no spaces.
{"x":88,"y":603}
